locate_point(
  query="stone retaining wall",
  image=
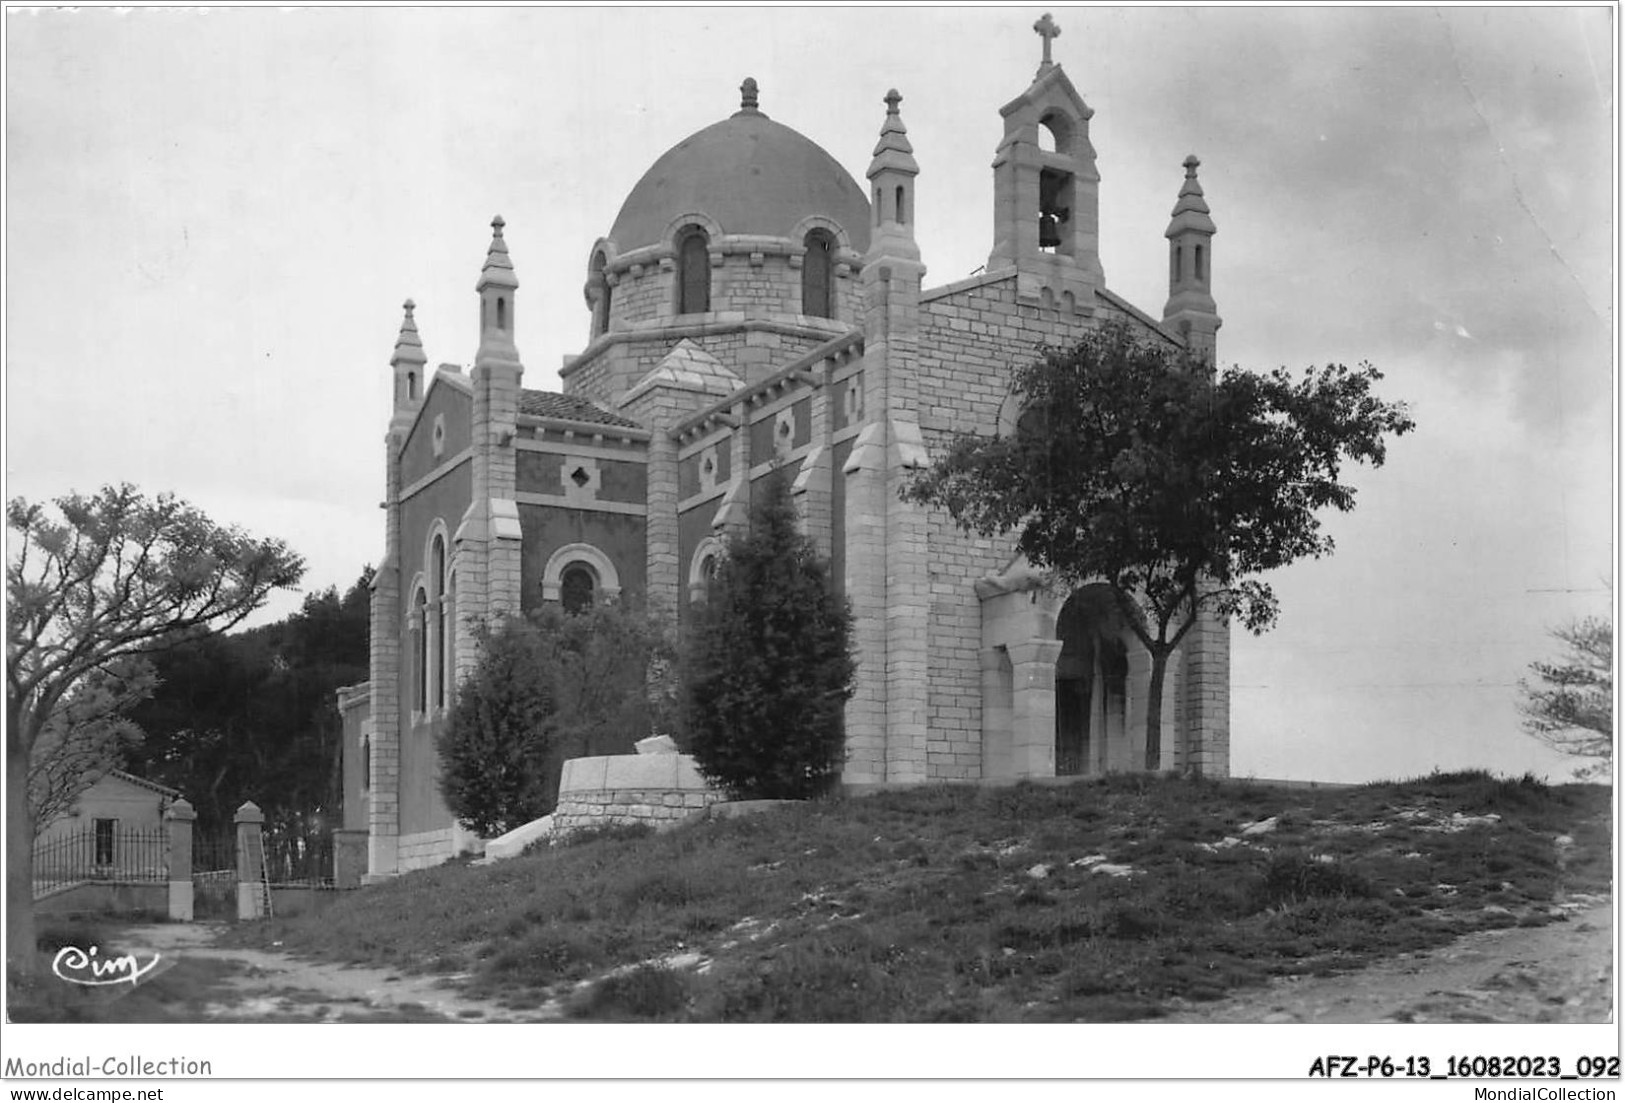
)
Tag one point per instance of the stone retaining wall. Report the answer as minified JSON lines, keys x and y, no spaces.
{"x":107,"y":898}
{"x":423,"y":849}
{"x":660,"y":790}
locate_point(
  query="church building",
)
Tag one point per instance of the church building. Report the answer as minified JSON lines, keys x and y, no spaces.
{"x":754,"y":307}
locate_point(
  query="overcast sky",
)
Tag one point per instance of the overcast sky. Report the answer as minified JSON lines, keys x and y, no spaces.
{"x":213,"y":218}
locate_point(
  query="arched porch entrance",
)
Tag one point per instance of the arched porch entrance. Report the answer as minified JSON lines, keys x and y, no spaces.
{"x":1065,"y":682}
{"x":1091,"y":682}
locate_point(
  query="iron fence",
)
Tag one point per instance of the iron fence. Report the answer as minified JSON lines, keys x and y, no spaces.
{"x":215,"y":855}
{"x":102,"y":852}
{"x":299,"y":859}
{"x":290,"y":859}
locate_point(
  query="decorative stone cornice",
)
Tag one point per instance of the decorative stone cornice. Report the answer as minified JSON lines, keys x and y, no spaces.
{"x":794,"y":374}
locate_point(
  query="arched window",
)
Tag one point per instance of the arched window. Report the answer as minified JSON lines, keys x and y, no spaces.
{"x":442,"y":622}
{"x":1055,"y":133}
{"x":576,"y":585}
{"x":502,"y":314}
{"x":1055,"y":210}
{"x":366,"y":763}
{"x":420,"y":650}
{"x":693,"y":272}
{"x":702,"y":570}
{"x":412,"y":385}
{"x":818,"y":275}
{"x":902,"y":210}
{"x":1201,"y":264}
{"x":600,"y":571}
{"x":448,"y":621}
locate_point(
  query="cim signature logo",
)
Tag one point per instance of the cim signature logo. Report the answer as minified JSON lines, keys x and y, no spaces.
{"x":89,"y":968}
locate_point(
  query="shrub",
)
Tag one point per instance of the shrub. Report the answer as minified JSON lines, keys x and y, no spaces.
{"x":612,"y":671}
{"x":768,"y":665}
{"x":646,"y":991}
{"x":547,"y":689}
{"x":494,"y":748}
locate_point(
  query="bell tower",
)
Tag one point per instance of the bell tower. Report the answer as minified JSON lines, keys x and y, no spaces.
{"x":1046,"y":190}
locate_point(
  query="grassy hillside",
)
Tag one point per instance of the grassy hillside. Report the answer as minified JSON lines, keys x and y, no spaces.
{"x":1094,"y":901}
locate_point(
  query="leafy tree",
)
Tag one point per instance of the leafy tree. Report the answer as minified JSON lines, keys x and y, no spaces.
{"x":546,"y":689}
{"x":91,"y":585}
{"x":85,"y":736}
{"x":495,"y":745}
{"x":252,"y":716}
{"x":612,"y":672}
{"x":1572,"y":710}
{"x":202,"y":726}
{"x":768,"y":665}
{"x":1137,"y":465}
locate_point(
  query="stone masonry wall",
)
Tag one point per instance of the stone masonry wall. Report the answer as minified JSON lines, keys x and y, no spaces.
{"x":971,"y":335}
{"x":422,"y":849}
{"x":622,"y":807}
{"x":762,"y":284}
{"x":660,"y":790}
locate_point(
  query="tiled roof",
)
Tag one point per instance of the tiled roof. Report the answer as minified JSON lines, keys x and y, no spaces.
{"x":569,"y":408}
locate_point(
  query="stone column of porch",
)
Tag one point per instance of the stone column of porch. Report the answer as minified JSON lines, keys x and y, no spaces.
{"x":996,"y":712}
{"x":1032,"y":720}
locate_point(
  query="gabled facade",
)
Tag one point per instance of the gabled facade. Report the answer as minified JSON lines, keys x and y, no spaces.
{"x":754,"y":307}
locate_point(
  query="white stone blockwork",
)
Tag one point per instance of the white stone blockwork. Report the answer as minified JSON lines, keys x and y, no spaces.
{"x":424,"y":849}
{"x":660,"y":790}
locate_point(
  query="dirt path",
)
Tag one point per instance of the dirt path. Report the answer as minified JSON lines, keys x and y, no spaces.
{"x":275,"y":985}
{"x":1559,"y":973}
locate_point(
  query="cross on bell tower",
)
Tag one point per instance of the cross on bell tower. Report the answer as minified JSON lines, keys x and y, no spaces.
{"x":1048,"y":30}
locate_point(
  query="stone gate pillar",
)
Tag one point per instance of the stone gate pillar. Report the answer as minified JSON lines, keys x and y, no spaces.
{"x":251,"y":886}
{"x":178,"y":819}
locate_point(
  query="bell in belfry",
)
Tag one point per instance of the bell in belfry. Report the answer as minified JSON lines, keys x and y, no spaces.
{"x":1049,"y":232}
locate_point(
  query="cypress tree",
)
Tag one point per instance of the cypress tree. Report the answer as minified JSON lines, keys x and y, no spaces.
{"x":768,"y":663}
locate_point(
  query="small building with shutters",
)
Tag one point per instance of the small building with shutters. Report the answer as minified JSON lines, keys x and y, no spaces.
{"x":116,"y":808}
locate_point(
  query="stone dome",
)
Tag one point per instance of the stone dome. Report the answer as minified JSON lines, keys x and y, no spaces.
{"x":749,"y":173}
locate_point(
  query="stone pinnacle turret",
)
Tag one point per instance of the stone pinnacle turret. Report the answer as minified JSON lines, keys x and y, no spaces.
{"x":1190,"y":310}
{"x":408,"y":362}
